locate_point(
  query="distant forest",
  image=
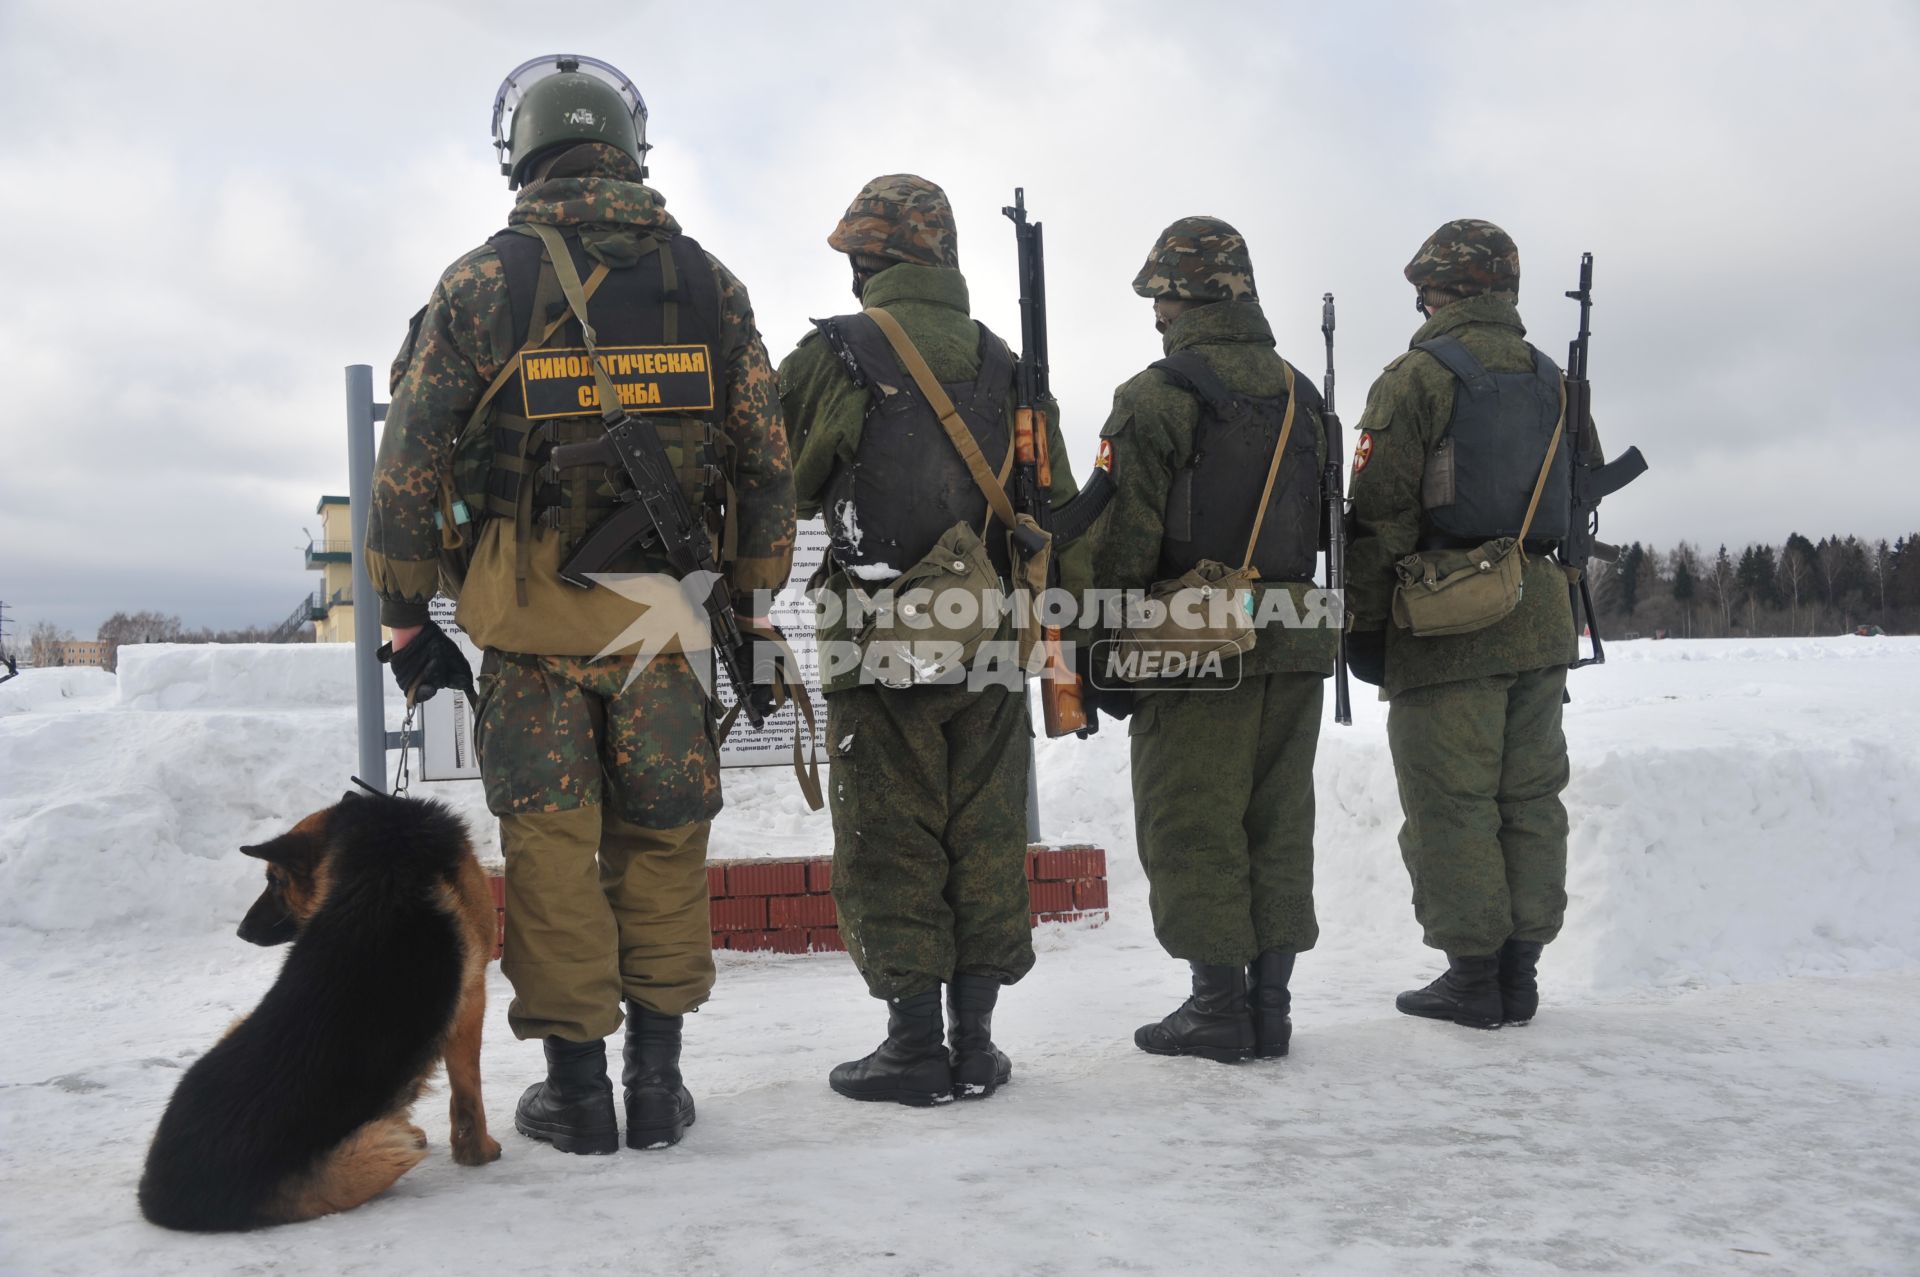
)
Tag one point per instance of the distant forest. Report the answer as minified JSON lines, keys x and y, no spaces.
{"x":1801,"y":587}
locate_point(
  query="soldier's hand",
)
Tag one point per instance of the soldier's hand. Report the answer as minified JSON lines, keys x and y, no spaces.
{"x":427,"y":662}
{"x":1367,"y":656}
{"x":1115,"y":702}
{"x":766,"y":664}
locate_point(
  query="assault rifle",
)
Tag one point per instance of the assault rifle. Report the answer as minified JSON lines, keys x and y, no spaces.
{"x":1032,"y":494}
{"x":1590,"y":482}
{"x":654,"y":513}
{"x":1336,"y":530}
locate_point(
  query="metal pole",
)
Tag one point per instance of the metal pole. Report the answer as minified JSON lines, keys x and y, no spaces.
{"x":1033,"y":798}
{"x":369,"y":704}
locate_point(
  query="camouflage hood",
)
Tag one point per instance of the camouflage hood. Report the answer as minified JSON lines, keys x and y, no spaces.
{"x":593,"y":185}
{"x":1468,"y":257}
{"x":899,"y":218}
{"x":1198,"y":259}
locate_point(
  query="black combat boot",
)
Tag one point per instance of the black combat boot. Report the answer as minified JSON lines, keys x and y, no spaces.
{"x":1270,"y":1003}
{"x":659,"y":1108}
{"x":911,"y":1066}
{"x":573,"y":1109}
{"x":1519,"y":990}
{"x":1213,"y":1024}
{"x":1467,"y":993}
{"x":978,"y":1065}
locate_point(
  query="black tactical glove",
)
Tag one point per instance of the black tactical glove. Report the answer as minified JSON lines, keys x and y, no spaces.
{"x":429,"y":662}
{"x":766,"y":660}
{"x":1367,"y":656}
{"x":1115,"y":702}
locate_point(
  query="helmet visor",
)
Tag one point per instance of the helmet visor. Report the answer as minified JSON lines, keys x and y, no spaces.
{"x":534,"y":70}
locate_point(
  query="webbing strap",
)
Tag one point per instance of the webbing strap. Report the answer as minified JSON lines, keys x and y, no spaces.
{"x":957,"y":432}
{"x":1273,"y":467}
{"x":450,"y":535}
{"x":571,"y":289}
{"x":806,"y":767}
{"x":1459,"y":361}
{"x":1546,"y":467}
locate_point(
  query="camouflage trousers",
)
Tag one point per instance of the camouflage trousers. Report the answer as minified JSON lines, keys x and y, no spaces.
{"x":1480,"y":764}
{"x":928,"y":791}
{"x":1223,"y":813}
{"x":605,"y":794}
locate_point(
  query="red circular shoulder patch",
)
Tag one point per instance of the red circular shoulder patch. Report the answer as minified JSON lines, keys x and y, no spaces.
{"x":1362,"y":452}
{"x":1103,"y":459}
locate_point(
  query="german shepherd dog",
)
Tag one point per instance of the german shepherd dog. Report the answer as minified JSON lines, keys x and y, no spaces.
{"x":304,"y":1107}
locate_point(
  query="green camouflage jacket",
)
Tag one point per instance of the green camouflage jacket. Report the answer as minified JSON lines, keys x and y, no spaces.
{"x":1407,"y":412}
{"x":1150,"y":433}
{"x":465,"y":336}
{"x":826,"y":412}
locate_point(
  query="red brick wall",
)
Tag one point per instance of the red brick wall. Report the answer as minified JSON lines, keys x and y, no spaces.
{"x":786,"y":906}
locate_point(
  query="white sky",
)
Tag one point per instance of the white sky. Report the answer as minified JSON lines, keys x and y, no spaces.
{"x":211,"y":208}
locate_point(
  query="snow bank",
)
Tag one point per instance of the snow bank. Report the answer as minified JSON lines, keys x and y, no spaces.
{"x":49,"y":689}
{"x":1741,"y":810}
{"x":251,"y":676}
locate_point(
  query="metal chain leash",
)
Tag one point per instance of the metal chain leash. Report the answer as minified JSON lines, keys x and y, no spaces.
{"x":403,"y":772}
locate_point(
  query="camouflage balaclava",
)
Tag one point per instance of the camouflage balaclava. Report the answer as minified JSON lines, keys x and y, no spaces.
{"x":1199,"y":259}
{"x":1467,"y":257}
{"x":899,"y":218}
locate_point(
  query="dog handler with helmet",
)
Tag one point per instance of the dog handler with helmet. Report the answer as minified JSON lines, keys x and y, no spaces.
{"x":597,"y":735}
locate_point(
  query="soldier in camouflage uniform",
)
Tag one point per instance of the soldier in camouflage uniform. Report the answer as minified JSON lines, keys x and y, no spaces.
{"x":928,"y":792}
{"x":1222,"y":768}
{"x":1474,"y":723}
{"x":602,"y":767}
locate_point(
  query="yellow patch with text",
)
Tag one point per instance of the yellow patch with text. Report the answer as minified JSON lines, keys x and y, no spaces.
{"x":559,"y":382}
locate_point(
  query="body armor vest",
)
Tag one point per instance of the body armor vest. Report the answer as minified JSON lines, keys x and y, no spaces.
{"x":1480,"y":476}
{"x":656,"y":322}
{"x":1211,"y":508}
{"x":907,"y":485}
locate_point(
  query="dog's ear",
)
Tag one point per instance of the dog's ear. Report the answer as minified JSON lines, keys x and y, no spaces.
{"x":284,"y":850}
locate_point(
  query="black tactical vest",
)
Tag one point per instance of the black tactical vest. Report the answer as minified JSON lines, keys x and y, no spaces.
{"x":1481,"y":474}
{"x":656,"y":323}
{"x":907,"y":485}
{"x":1211,"y":509}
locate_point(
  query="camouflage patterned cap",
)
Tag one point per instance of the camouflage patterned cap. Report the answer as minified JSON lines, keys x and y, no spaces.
{"x":1199,"y":259}
{"x":901,"y":218}
{"x":1467,"y":256}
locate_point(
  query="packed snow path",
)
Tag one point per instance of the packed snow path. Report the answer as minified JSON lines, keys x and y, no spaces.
{"x":1725,"y":1075}
{"x":1757,"y":1129}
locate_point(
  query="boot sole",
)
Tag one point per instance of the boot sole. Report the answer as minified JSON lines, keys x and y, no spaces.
{"x":912,"y":1099}
{"x":651,"y":1137}
{"x":587,"y":1143}
{"x":1269,"y":1052}
{"x":1445,"y":1017}
{"x":1218,"y":1054}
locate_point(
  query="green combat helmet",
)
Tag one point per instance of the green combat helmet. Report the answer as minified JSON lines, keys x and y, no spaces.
{"x":560,"y":98}
{"x":1467,"y":257}
{"x":899,"y":218}
{"x":1197,"y":259}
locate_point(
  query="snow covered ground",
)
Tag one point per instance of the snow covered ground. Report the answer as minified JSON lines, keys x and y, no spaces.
{"x":1725,"y":1076}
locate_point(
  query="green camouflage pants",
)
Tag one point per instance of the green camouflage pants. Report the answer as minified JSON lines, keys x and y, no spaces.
{"x":929,"y":798}
{"x":1223,"y":813}
{"x":605,"y":794}
{"x":1480,"y":764}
